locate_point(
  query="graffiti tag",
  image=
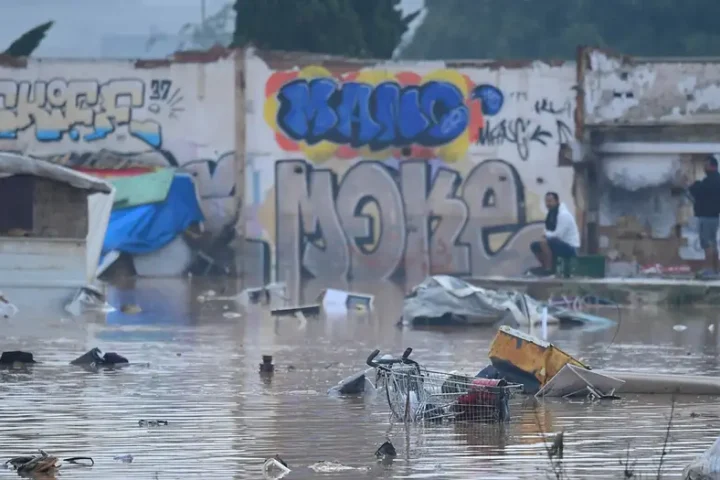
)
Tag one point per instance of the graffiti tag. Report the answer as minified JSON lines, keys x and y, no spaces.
{"x":522,"y":133}
{"x":78,"y":110}
{"x":377,"y":116}
{"x":378,"y":223}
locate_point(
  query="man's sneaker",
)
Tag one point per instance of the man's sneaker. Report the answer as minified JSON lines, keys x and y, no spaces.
{"x":539,"y":272}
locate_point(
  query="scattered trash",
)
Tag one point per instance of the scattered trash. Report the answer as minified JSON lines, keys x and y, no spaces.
{"x":267,"y":366}
{"x":445,"y":300}
{"x":680,"y":328}
{"x":302,"y":319}
{"x":88,"y":299}
{"x":231,"y":315}
{"x":333,"y":467}
{"x":312,"y":309}
{"x":17,"y":356}
{"x":386,"y":450}
{"x":124,"y":458}
{"x":275,"y":468}
{"x":271,"y":294}
{"x":523,"y":359}
{"x":711,"y":328}
{"x":7,"y":309}
{"x":573,"y":381}
{"x":705,"y":466}
{"x":152,"y":423}
{"x":131,"y":309}
{"x":95,"y":358}
{"x":352,"y":385}
{"x":43,"y":463}
{"x":340,"y":300}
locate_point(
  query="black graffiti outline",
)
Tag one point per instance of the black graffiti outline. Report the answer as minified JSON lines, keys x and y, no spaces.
{"x":519,"y":200}
{"x":305,"y":237}
{"x":546,"y":105}
{"x":515,"y":131}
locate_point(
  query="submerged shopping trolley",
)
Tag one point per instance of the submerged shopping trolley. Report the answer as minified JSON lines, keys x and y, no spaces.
{"x":416,"y":393}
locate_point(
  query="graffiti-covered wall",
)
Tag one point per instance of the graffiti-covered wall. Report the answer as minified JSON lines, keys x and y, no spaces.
{"x":114,"y":114}
{"x":362,"y":173}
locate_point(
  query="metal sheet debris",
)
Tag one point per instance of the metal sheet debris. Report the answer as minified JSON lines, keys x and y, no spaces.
{"x":573,"y":381}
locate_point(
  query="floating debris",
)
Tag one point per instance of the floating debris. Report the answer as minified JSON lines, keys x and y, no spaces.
{"x":333,"y":467}
{"x":152,"y":423}
{"x":680,"y":328}
{"x":124,"y":458}
{"x":43,"y":463}
{"x":7,"y":309}
{"x":231,"y":315}
{"x":275,"y":468}
{"x":267,"y":366}
{"x":386,"y":450}
{"x":95,"y":358}
{"x":16,"y":356}
{"x":131,"y":309}
{"x":705,"y":466}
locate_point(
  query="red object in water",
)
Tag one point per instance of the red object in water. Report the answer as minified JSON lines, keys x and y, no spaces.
{"x":478,"y":395}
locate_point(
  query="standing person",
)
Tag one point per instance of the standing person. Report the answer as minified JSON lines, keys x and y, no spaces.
{"x":561,"y":239}
{"x":706,"y":205}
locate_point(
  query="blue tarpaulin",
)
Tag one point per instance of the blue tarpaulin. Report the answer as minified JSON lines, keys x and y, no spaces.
{"x":147,"y":228}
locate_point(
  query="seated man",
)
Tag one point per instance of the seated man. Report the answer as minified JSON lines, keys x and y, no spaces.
{"x":561,"y":239}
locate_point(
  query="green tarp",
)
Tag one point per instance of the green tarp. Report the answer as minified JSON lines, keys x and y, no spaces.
{"x":142,"y":189}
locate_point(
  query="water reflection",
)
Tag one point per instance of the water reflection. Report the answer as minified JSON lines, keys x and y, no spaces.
{"x":224,"y":419}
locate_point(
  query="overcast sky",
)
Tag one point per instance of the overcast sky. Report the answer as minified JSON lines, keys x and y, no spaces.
{"x":102,"y":28}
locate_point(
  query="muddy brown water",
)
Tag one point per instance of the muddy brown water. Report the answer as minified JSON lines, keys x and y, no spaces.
{"x":224,"y":420}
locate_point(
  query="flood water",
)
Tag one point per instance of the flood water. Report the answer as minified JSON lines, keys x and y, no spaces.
{"x":224,"y":420}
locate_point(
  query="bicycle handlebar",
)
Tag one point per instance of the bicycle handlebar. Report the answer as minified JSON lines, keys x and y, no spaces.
{"x":389,"y":361}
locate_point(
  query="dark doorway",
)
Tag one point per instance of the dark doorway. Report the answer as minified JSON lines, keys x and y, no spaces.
{"x":16,"y":203}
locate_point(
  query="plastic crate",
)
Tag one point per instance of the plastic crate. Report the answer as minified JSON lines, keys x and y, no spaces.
{"x":592,"y":266}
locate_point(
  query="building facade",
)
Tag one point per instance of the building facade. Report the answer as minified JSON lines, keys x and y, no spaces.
{"x":352,"y":172}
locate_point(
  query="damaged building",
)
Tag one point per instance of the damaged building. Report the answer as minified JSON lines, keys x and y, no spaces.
{"x":646,"y":126}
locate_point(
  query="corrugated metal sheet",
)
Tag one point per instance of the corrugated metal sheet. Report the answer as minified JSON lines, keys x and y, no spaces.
{"x":12,"y":164}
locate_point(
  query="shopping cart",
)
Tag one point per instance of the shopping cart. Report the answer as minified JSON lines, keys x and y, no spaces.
{"x":416,"y":393}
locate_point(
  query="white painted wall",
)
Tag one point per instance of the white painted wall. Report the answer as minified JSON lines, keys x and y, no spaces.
{"x":481,"y":192}
{"x":76,"y":112}
{"x":641,"y":92}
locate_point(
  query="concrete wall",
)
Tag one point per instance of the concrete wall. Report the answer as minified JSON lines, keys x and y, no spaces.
{"x":119,"y":113}
{"x":650,"y":121}
{"x":626,"y":91}
{"x":59,"y":210}
{"x":338,"y":201}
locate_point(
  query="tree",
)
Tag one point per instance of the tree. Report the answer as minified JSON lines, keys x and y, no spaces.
{"x":356,"y":28}
{"x":28,"y":41}
{"x":554,"y":28}
{"x":217,"y":29}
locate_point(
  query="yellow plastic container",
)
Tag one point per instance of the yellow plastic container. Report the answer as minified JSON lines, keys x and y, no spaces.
{"x":521,"y":358}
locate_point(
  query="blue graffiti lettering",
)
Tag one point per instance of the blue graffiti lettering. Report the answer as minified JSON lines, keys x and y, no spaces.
{"x":378,"y":116}
{"x":491,"y":98}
